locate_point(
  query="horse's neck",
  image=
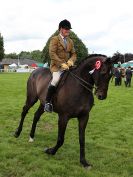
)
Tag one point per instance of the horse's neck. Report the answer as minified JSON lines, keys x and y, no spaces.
{"x":85,"y":66}
{"x":83,"y":72}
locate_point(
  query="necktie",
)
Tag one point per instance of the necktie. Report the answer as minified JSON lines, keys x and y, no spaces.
{"x":65,"y":42}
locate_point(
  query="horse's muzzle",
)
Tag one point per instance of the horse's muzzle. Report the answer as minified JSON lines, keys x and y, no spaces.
{"x":101,"y":97}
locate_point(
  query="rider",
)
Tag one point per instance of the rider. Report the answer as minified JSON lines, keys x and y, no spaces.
{"x":63,"y":56}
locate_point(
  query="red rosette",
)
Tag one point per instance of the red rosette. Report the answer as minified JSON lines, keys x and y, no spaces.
{"x":98,"y":64}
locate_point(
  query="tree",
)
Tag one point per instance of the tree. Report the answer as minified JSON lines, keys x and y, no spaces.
{"x":1,"y":47}
{"x":11,"y":56}
{"x":80,"y":47}
{"x":33,"y":55}
{"x":37,"y":55}
{"x":25,"y":55}
{"x":122,"y":57}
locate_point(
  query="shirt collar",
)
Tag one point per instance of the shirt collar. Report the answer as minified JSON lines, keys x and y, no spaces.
{"x":62,"y":36}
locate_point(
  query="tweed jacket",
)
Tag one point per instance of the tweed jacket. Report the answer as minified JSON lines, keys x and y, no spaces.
{"x":59,"y":53}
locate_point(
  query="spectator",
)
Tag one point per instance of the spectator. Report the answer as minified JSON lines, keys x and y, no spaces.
{"x":128,"y":77}
{"x":124,"y":76}
{"x":117,"y":75}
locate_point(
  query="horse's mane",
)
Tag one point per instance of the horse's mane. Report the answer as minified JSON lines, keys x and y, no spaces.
{"x":78,"y":63}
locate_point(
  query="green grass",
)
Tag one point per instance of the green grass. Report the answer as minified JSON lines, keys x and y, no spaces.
{"x":109,"y":136}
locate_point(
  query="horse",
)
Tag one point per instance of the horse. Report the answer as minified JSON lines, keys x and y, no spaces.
{"x":73,"y":97}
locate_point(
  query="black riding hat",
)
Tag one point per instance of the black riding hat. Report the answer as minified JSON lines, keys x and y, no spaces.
{"x":65,"y":24}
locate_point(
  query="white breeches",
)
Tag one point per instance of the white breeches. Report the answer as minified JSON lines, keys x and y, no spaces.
{"x":56,"y":77}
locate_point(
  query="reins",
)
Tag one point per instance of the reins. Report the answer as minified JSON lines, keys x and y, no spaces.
{"x":82,"y":82}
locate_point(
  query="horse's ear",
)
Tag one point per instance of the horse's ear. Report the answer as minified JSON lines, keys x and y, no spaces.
{"x":113,"y":60}
{"x":109,"y":60}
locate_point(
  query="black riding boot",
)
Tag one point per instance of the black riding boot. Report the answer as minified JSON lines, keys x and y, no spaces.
{"x":48,"y":106}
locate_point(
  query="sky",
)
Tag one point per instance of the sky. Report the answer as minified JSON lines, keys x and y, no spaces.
{"x":105,"y":26}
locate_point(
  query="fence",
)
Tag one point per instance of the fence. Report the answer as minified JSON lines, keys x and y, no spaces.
{"x":20,"y":70}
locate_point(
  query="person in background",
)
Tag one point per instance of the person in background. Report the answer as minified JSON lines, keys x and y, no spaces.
{"x":128,"y":77}
{"x":118,"y":75}
{"x":124,"y":76}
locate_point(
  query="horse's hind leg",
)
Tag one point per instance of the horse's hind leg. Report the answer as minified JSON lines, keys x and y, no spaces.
{"x":62,"y":124}
{"x":37,"y":116}
{"x":29,"y":103}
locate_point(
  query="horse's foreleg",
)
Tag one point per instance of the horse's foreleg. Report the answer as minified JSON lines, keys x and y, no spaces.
{"x":37,"y":116}
{"x":82,"y":125}
{"x":62,"y":124}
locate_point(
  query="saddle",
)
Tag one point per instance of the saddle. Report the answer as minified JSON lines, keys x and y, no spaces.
{"x":63,"y":77}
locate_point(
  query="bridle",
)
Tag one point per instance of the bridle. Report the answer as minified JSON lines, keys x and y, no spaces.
{"x":85,"y":84}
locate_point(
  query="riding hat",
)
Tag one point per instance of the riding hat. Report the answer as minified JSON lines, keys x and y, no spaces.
{"x":65,"y":24}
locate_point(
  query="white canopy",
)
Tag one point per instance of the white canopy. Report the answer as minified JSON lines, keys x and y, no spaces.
{"x":23,"y":66}
{"x":13,"y":65}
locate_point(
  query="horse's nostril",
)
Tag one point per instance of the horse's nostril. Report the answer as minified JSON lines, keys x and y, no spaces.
{"x":100,"y":97}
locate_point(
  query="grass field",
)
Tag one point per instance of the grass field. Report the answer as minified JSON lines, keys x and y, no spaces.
{"x":109,"y":136}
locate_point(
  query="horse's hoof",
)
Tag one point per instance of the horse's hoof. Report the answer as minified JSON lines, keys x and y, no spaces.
{"x":88,"y":167}
{"x":16,"y":134}
{"x":31,"y":140}
{"x":49,"y":151}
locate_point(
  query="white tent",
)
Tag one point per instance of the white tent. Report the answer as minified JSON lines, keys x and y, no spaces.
{"x":13,"y":65}
{"x":23,"y":66}
{"x":45,"y":65}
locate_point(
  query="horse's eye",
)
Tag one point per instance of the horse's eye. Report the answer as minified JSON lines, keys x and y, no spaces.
{"x":103,"y":71}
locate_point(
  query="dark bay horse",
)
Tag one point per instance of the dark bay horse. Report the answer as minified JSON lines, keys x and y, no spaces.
{"x":73,"y":97}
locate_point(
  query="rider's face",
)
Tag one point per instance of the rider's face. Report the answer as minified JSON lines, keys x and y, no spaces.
{"x":65,"y":32}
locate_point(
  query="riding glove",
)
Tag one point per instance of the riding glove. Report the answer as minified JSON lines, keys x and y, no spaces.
{"x":70,"y":63}
{"x":64,"y":66}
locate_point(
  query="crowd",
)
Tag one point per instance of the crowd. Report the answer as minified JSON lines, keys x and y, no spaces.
{"x":125,"y":73}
